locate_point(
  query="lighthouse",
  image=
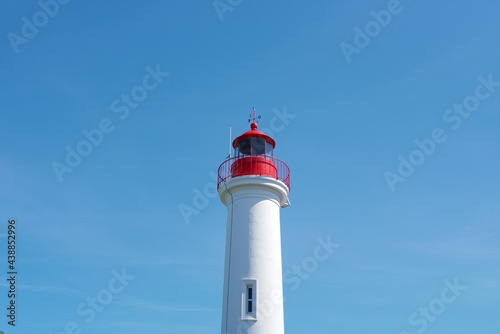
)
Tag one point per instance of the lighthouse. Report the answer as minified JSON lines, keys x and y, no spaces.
{"x":254,"y":186}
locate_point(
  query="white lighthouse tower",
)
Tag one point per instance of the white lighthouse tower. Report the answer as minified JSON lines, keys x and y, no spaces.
{"x":254,"y":186}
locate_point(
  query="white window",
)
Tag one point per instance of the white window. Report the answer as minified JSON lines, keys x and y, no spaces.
{"x":249,"y":302}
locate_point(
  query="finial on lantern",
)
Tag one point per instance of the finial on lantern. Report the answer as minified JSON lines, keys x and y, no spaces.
{"x":254,"y":119}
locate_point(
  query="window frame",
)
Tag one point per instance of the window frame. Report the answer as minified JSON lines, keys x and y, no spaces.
{"x":251,"y":146}
{"x":247,"y":285}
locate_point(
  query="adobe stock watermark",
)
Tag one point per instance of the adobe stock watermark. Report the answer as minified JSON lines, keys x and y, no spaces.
{"x":265,"y":308}
{"x":364,"y":36}
{"x":454,"y":118}
{"x":294,"y":276}
{"x":31,"y":27}
{"x":301,"y":272}
{"x":121,"y":107}
{"x":94,"y":304}
{"x":202,"y":197}
{"x":222,"y":6}
{"x":436,"y":307}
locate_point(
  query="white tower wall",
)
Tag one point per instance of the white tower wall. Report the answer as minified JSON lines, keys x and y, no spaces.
{"x":253,"y":255}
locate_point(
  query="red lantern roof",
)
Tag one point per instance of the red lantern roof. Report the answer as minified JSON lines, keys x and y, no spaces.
{"x":254,"y":133}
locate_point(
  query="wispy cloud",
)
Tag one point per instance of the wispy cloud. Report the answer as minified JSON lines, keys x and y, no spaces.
{"x":159,"y":307}
{"x":153,"y":327}
{"x":50,"y":290}
{"x":475,"y":241}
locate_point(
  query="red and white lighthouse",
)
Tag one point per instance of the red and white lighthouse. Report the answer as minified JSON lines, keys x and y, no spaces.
{"x":254,"y":185}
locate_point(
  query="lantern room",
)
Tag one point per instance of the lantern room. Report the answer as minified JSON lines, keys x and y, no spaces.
{"x":253,"y":151}
{"x":253,"y":142}
{"x":253,"y":155}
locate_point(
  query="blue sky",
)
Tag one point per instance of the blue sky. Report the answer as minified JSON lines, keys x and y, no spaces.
{"x":393,"y":147}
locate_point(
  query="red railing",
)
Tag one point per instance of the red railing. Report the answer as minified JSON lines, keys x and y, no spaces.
{"x":254,"y":164}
